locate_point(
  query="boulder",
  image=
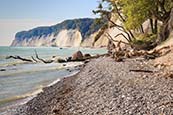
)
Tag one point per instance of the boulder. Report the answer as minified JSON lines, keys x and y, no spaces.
{"x":77,"y":55}
{"x":87,"y":55}
{"x":2,"y":69}
{"x":58,"y":59}
{"x":68,"y":59}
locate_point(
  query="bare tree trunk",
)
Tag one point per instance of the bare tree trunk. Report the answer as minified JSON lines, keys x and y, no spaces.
{"x":164,"y":31}
{"x":19,"y":58}
{"x":142,"y":29}
{"x":155,"y":26}
{"x":110,"y":46}
{"x":44,"y":61}
{"x":151,"y":24}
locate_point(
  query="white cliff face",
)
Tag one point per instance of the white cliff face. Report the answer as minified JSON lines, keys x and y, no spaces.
{"x":65,"y":38}
{"x":101,"y":42}
{"x":35,"y":41}
{"x":69,"y":33}
{"x":60,"y":36}
{"x":68,"y":38}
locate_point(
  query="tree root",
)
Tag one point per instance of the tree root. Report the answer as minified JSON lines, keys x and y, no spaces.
{"x":123,"y":52}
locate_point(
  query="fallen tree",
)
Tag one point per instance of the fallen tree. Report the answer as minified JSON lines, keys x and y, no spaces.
{"x":20,"y":58}
{"x":30,"y":60}
{"x":119,"y":53}
{"x":42,"y":60}
{"x":60,"y":60}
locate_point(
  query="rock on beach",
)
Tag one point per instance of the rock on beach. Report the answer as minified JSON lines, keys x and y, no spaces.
{"x":106,"y":87}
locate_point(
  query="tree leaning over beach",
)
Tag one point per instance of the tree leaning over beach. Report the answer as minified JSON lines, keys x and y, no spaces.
{"x":133,"y":13}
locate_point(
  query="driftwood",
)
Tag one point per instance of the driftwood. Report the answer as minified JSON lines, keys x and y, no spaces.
{"x":38,"y":59}
{"x":20,"y":58}
{"x":30,"y":60}
{"x":34,"y":59}
{"x":91,"y":57}
{"x":119,"y":41}
{"x":139,"y":70}
{"x":119,"y":53}
{"x":42,"y":60}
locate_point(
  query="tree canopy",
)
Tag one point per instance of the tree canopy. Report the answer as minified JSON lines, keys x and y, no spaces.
{"x":133,"y":13}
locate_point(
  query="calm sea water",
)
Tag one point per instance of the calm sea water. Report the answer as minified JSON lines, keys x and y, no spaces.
{"x":21,"y":80}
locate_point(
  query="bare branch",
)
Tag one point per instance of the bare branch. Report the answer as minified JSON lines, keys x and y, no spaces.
{"x":119,"y":14}
{"x":20,"y":58}
{"x":122,"y":28}
{"x":34,"y":59}
{"x":44,"y":61}
{"x":122,"y":35}
{"x":110,"y":38}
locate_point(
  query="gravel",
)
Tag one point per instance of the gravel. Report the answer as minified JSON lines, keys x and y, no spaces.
{"x":106,"y":87}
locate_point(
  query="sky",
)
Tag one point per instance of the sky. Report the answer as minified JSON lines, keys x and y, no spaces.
{"x":19,"y":15}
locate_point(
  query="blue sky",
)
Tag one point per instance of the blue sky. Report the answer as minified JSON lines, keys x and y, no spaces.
{"x":17,"y":15}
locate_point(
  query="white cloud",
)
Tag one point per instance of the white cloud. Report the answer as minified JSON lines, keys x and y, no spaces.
{"x":9,"y":27}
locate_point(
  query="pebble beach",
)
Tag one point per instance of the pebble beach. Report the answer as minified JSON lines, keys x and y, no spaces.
{"x":106,"y":87}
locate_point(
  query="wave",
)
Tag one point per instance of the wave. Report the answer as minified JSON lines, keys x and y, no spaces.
{"x":32,"y":68}
{"x":12,"y":63}
{"x":56,"y":81}
{"x":29,"y":69}
{"x":13,"y":102}
{"x":28,"y":96}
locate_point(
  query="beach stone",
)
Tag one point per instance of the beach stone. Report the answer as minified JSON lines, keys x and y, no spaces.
{"x":68,"y":58}
{"x":77,"y":55}
{"x":53,"y":56}
{"x":60,"y":60}
{"x":64,"y":64}
{"x":87,"y":55}
{"x":2,"y":69}
{"x":86,"y":61}
{"x":105,"y":87}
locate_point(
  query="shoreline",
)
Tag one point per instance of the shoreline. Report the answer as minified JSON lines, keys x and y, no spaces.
{"x":104,"y":86}
{"x":9,"y":109}
{"x":56,"y":81}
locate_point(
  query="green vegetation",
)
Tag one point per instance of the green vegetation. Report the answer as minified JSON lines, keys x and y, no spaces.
{"x":133,"y":13}
{"x":144,"y":41}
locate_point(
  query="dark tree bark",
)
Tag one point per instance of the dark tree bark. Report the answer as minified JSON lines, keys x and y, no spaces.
{"x":151,"y":25}
{"x":19,"y":58}
{"x":44,"y":61}
{"x":155,"y":26}
{"x":142,"y":29}
{"x":164,"y":31}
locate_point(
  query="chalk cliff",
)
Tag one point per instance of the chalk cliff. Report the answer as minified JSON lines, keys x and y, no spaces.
{"x":69,"y":33}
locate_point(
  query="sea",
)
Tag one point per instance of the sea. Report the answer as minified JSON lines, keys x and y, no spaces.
{"x":20,"y":81}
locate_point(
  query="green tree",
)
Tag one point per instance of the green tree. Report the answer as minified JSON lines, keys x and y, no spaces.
{"x":133,"y":13}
